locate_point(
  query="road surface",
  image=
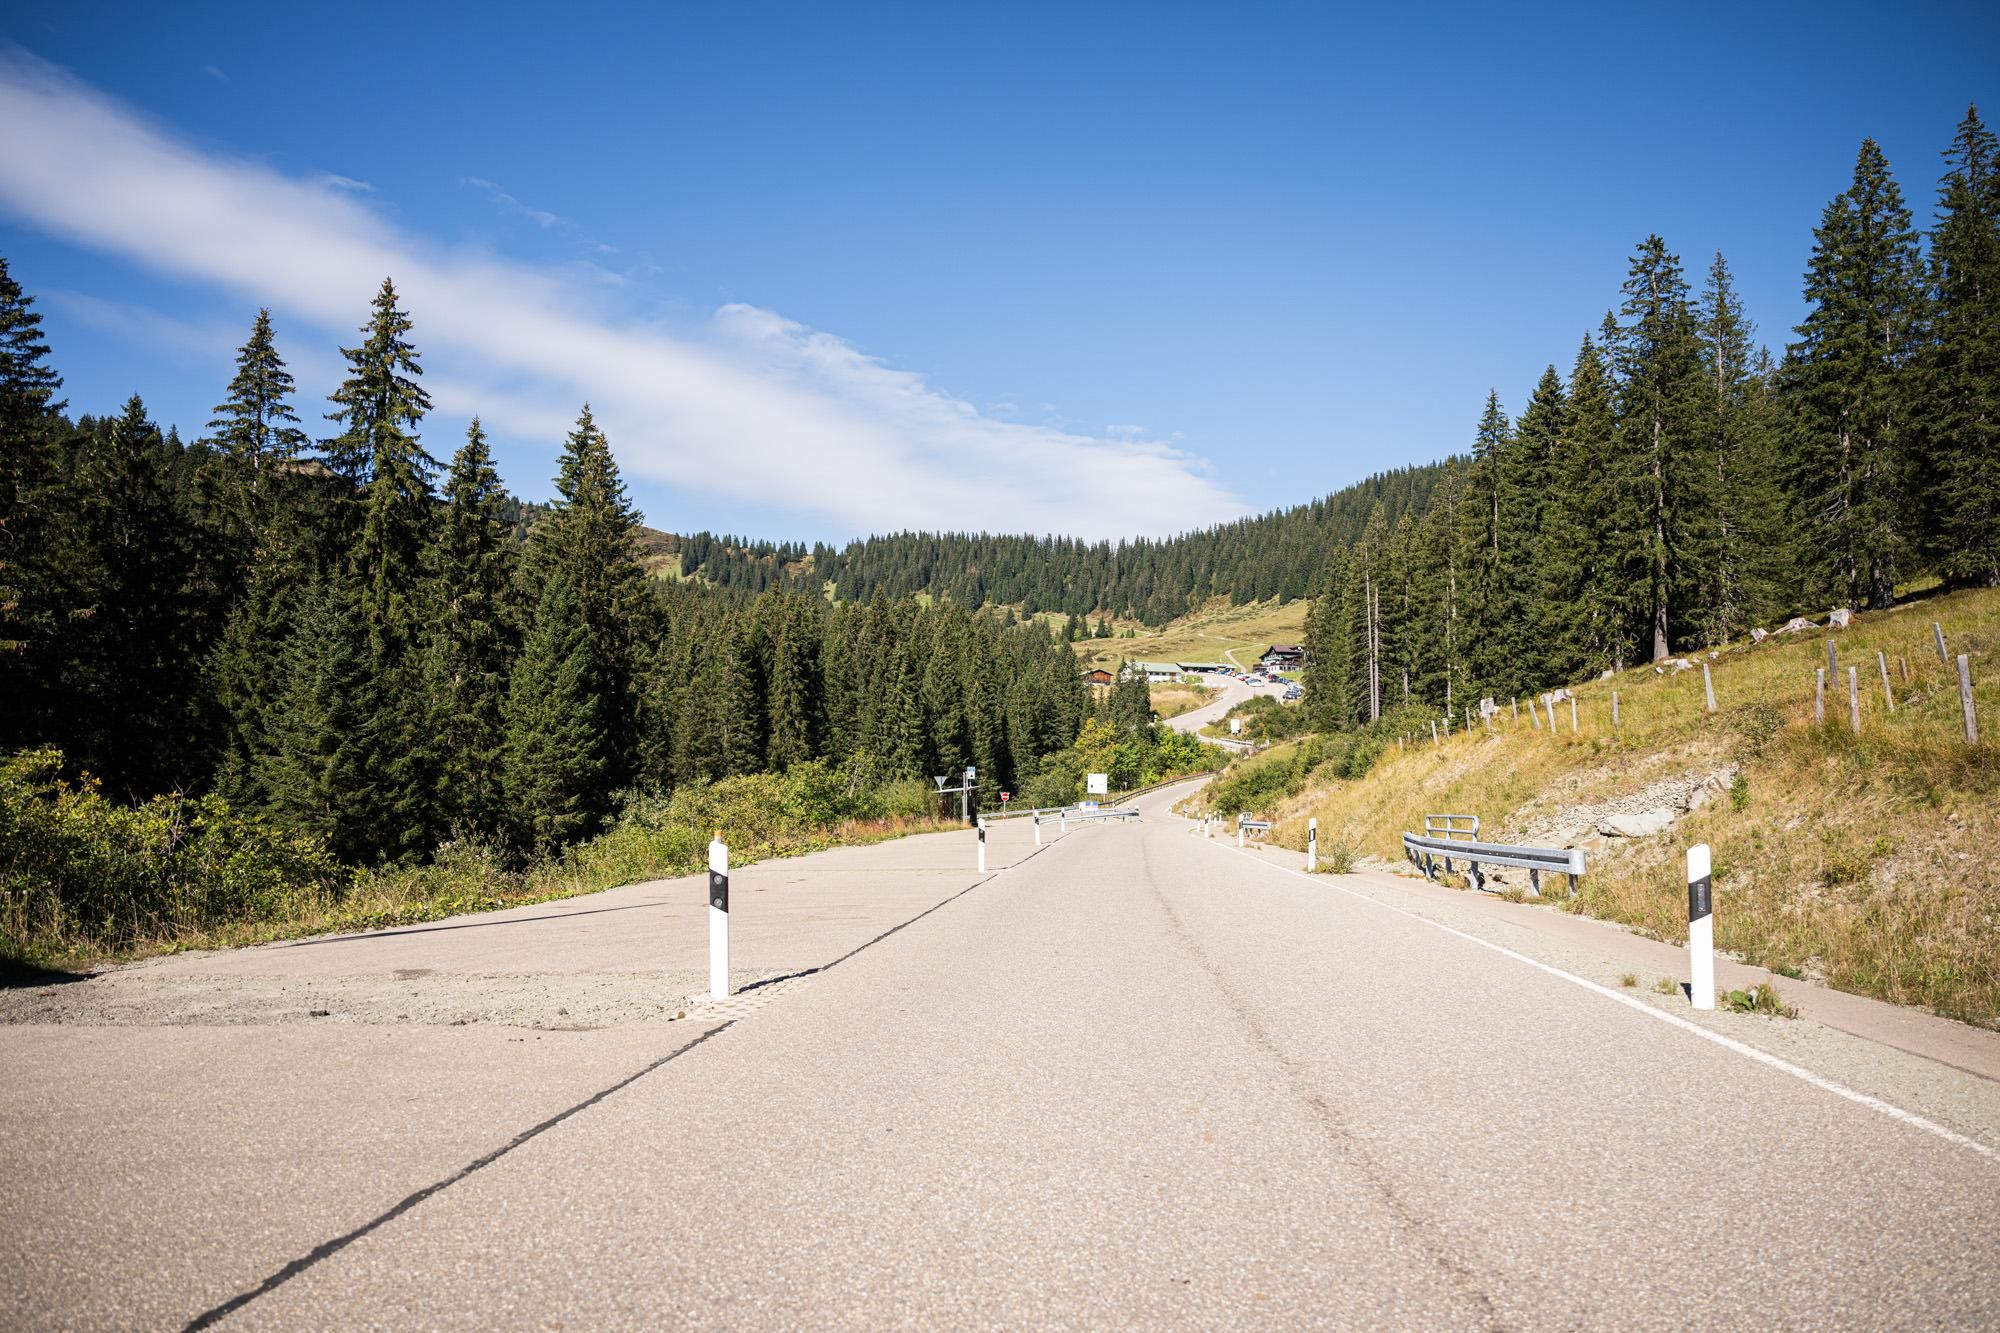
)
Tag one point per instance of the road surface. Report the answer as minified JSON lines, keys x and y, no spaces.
{"x":1132,"y":1078}
{"x":1231,"y":694}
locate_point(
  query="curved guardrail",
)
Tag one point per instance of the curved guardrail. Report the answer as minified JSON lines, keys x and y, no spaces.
{"x":1425,"y":853}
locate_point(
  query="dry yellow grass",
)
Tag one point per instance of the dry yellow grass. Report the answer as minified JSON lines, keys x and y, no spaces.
{"x":1173,"y":700}
{"x":1865,"y":861}
{"x":1209,"y":635}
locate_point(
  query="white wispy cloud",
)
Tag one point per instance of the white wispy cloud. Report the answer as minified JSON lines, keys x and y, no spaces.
{"x":751,"y":406}
{"x":215,"y":72}
{"x":540,"y":217}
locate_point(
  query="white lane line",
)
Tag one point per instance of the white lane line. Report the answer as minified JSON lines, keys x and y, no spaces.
{"x":1727,"y":1043}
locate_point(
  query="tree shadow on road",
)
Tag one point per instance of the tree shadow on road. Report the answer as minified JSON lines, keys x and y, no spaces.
{"x":18,"y":974}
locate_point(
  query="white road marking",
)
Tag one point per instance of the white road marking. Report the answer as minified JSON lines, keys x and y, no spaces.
{"x":1728,"y":1043}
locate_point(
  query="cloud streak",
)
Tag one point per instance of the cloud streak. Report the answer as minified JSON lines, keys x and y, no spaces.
{"x":751,"y":405}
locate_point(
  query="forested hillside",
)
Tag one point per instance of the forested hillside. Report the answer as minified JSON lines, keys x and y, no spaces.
{"x":373,"y":651}
{"x":1679,"y":485}
{"x":1279,"y":555}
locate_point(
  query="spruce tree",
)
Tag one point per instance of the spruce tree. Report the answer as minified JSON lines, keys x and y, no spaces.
{"x":380,"y":401}
{"x":1957,"y":488}
{"x":467,"y":643}
{"x":558,"y":762}
{"x":1574,"y":624}
{"x":133,"y":690}
{"x":589,"y":538}
{"x":1660,"y":440}
{"x":1846,"y":377}
{"x":379,"y":405}
{"x":793,"y":686}
{"x":255,"y":426}
{"x":44,"y":584}
{"x":1525,"y":484}
{"x":1478,"y":558}
{"x":1744,"y":573}
{"x":317,"y":767}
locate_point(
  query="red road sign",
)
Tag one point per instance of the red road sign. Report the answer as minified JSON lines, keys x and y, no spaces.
{"x":1006,"y":796}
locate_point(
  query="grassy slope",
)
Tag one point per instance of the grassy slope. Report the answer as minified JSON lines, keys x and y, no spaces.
{"x":1206,"y":636}
{"x":1867,"y":862}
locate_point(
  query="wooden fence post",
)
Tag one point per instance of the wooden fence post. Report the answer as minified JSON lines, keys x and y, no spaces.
{"x":1832,"y":667}
{"x":1854,"y":698}
{"x":1614,"y":710}
{"x":1903,"y":664}
{"x":1819,"y":695}
{"x":1534,"y":716}
{"x":1708,"y":686}
{"x":1517,"y":710}
{"x":1882,"y":660}
{"x":1937,"y":630}
{"x":1573,"y":728}
{"x":1965,"y":700}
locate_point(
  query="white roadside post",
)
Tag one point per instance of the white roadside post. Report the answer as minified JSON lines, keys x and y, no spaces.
{"x":982,"y":844}
{"x":1701,"y":929}
{"x":1036,"y":820}
{"x":718,"y":918}
{"x":1239,"y":830}
{"x":1312,"y":845}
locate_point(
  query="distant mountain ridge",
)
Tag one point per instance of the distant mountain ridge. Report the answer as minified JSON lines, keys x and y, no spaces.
{"x":1280,"y":554}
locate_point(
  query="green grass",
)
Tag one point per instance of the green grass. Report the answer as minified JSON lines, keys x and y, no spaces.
{"x":1863,"y":861}
{"x":1208,"y":635}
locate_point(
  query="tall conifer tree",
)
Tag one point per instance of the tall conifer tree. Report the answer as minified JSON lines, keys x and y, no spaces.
{"x":1957,"y":490}
{"x":1660,"y":436}
{"x":1847,"y":377}
{"x":558,"y":771}
{"x":467,"y":643}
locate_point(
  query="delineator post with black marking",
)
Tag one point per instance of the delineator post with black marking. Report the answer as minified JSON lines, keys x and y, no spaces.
{"x":1312,"y":844}
{"x":718,"y":918}
{"x":1701,"y":929}
{"x":982,"y":844}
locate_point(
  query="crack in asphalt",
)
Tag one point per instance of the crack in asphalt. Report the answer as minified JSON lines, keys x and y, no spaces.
{"x":327,"y":1249}
{"x":1340,"y":1131}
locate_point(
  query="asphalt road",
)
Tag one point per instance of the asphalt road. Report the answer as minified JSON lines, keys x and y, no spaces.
{"x":1135,"y":1078}
{"x":1232,"y":694}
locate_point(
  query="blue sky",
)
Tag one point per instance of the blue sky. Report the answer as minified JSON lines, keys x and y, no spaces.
{"x":827,"y":270}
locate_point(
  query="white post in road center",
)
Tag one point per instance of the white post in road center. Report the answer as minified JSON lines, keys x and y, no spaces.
{"x":1701,"y":929}
{"x":718,"y":918}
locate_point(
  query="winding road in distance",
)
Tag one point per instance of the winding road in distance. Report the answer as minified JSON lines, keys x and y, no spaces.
{"x":1133,"y":1077}
{"x":1231,"y":694}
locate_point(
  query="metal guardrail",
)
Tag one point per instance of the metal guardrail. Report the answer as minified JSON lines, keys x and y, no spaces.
{"x":998,"y":815}
{"x":1122,"y":797}
{"x":1075,"y":814}
{"x":1452,"y":826}
{"x":1426,"y":852}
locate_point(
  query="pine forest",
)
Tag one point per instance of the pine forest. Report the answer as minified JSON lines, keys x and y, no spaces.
{"x":355,"y":641}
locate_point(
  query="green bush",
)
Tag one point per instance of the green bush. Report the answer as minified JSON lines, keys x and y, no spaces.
{"x":78,"y":870}
{"x":81,"y":875}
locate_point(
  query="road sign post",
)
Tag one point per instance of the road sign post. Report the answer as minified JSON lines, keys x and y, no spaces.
{"x":718,"y":918}
{"x":1701,"y":929}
